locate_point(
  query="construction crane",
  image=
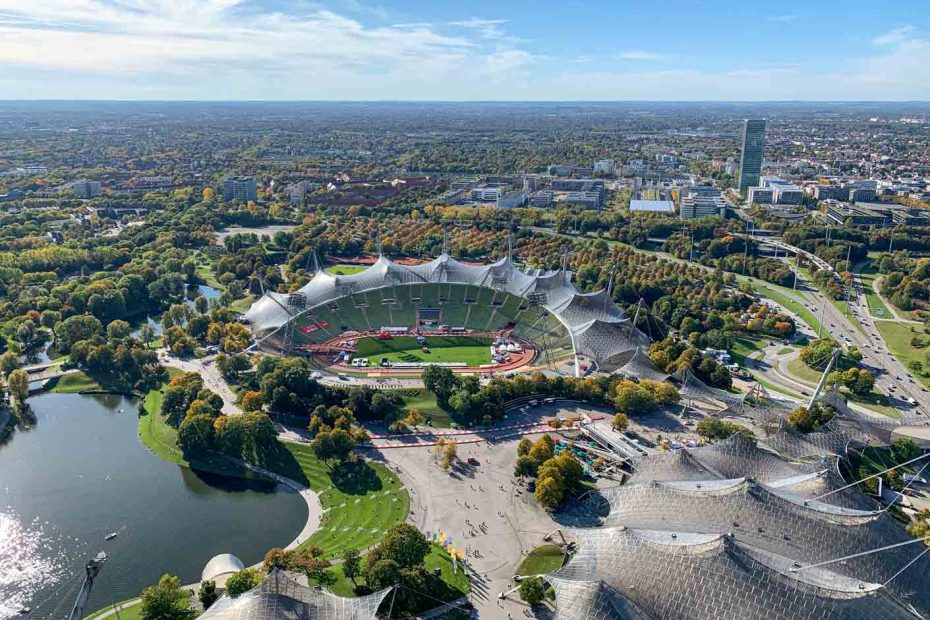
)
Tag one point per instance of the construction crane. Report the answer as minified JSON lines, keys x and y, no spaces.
{"x":91,"y":570}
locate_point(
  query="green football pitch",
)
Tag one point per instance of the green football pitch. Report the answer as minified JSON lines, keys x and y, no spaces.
{"x":470,"y":350}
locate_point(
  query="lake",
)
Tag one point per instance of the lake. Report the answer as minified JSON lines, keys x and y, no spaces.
{"x":81,"y":472}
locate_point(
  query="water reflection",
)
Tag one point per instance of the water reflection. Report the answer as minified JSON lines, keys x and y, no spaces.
{"x":81,"y":473}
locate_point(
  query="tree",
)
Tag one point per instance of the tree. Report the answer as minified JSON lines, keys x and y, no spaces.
{"x":252,"y":401}
{"x":620,"y":422}
{"x":414,"y":418}
{"x":806,"y":420}
{"x":207,"y":594}
{"x":714,"y":428}
{"x":165,"y":600}
{"x":147,"y":333}
{"x":18,"y":383}
{"x":243,"y":581}
{"x":449,"y":454}
{"x":8,"y":363}
{"x":531,"y":590}
{"x":633,"y":399}
{"x":381,"y":573}
{"x":195,"y":435}
{"x":333,"y":445}
{"x":440,"y":381}
{"x":904,"y":449}
{"x":403,"y":544}
{"x":351,"y":565}
{"x":117,"y":330}
{"x":523,"y":448}
{"x":548,"y":493}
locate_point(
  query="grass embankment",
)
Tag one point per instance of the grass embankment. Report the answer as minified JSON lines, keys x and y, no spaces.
{"x":783,"y":296}
{"x":875,"y":401}
{"x":346,"y":270}
{"x":73,"y":383}
{"x":897,"y":337}
{"x":360,"y":502}
{"x":470,"y":350}
{"x":131,"y":612}
{"x":542,"y":560}
{"x":877,"y":306}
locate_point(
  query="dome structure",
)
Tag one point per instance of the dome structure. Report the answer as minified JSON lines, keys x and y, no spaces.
{"x":221,"y":566}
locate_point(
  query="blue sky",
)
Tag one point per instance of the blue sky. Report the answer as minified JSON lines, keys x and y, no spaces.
{"x":477,"y":50}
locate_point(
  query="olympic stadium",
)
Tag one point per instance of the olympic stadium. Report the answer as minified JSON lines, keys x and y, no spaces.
{"x":445,"y":296}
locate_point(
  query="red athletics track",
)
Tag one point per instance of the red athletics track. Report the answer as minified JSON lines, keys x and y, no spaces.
{"x":324,"y":352}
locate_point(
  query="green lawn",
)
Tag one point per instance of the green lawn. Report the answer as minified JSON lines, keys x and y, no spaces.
{"x":455,"y":583}
{"x":241,"y":305}
{"x":875,"y":401}
{"x":424,"y":401}
{"x":73,"y":383}
{"x":359,"y":503}
{"x":743,"y":347}
{"x":542,"y":560}
{"x":346,"y":270}
{"x":898,"y":339}
{"x":785,"y":351}
{"x":471,"y":350}
{"x":133,"y":612}
{"x":804,"y":373}
{"x":877,"y":307}
{"x":154,"y":431}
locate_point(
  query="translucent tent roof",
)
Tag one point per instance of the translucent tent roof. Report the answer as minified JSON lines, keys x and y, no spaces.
{"x":642,"y":367}
{"x":598,"y":327}
{"x":778,"y":521}
{"x":281,"y":596}
{"x":621,"y":573}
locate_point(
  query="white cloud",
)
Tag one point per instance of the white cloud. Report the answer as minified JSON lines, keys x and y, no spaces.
{"x":783,"y":19}
{"x":640,"y":55}
{"x":486,"y":28}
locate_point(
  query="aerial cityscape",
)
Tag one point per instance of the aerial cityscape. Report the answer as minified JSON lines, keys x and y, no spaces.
{"x":343,"y":311}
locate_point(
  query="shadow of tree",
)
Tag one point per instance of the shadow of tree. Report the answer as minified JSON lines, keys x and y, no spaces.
{"x":355,"y":478}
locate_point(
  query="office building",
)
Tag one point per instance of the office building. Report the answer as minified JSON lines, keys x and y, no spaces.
{"x":652,"y":206}
{"x":606,"y":167}
{"x":702,"y":201}
{"x":761,"y":195}
{"x":240,"y":188}
{"x":531,"y":182}
{"x":512,"y":200}
{"x":750,"y":165}
{"x":585,"y":199}
{"x":560,"y":170}
{"x":486,"y":194}
{"x":541,"y":199}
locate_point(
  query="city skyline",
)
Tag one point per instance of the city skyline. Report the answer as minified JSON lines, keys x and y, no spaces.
{"x":352,"y":50}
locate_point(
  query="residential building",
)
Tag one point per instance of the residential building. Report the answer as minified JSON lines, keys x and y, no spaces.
{"x":750,"y":165}
{"x":297,"y":191}
{"x":240,"y":188}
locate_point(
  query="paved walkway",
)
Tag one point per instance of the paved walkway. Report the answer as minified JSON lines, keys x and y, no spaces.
{"x":212,"y":378}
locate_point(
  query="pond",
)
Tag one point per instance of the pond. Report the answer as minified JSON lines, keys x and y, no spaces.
{"x":81,"y":473}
